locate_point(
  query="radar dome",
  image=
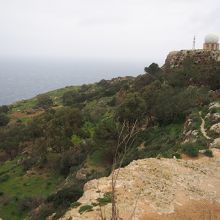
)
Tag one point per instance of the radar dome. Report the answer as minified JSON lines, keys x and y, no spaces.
{"x":211,"y":39}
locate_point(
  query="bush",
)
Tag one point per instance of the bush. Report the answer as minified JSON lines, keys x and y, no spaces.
{"x":4,"y":119}
{"x":75,"y":204}
{"x":29,"y":203}
{"x":44,"y":101}
{"x":4,"y":178}
{"x":70,"y":159}
{"x":152,"y":69}
{"x":133,"y":108}
{"x":43,"y":213}
{"x":29,"y":163}
{"x":66,"y":196}
{"x":4,"y":109}
{"x":85,"y":208}
{"x":107,"y":198}
{"x":76,"y":140}
{"x":191,"y":150}
{"x":208,"y":153}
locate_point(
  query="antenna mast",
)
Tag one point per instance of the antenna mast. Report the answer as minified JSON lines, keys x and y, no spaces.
{"x":194,"y":43}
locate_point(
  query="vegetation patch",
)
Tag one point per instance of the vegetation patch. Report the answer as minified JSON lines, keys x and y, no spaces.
{"x":78,"y":127}
{"x":190,"y":149}
{"x":162,"y":141}
{"x":75,"y":204}
{"x":85,"y":208}
{"x":107,"y":198}
{"x":18,"y":190}
{"x":208,"y":153}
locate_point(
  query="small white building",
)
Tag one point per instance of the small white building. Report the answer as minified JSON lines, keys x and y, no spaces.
{"x":211,"y":42}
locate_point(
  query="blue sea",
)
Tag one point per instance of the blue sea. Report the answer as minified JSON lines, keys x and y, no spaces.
{"x":23,"y":79}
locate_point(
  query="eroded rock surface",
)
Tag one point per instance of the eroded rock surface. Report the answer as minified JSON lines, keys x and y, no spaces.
{"x":157,"y":188}
{"x":216,"y":128}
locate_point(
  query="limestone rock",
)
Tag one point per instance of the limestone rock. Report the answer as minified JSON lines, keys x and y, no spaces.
{"x":176,"y":59}
{"x":155,"y":186}
{"x":216,"y":116}
{"x":216,"y":143}
{"x":216,"y":128}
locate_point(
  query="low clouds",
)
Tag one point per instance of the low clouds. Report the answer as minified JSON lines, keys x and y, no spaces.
{"x":101,"y":29}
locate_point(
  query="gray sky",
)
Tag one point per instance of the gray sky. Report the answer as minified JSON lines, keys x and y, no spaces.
{"x":127,"y":30}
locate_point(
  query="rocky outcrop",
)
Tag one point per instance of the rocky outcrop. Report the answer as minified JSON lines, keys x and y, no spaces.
{"x":176,"y":59}
{"x":190,"y":135}
{"x":215,"y":143}
{"x":216,"y":128}
{"x":155,"y":189}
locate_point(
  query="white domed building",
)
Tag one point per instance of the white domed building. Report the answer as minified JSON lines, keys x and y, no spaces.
{"x":211,"y":42}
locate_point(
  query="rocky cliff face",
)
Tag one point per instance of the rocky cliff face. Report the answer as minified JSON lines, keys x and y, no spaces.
{"x":158,"y":189}
{"x":175,"y":59}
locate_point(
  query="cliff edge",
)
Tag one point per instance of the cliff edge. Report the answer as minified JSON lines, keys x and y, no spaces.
{"x":176,"y":59}
{"x":158,"y":189}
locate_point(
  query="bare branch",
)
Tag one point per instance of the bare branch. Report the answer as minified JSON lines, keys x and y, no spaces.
{"x":126,"y":141}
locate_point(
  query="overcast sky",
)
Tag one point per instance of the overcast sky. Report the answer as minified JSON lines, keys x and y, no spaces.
{"x":127,"y":30}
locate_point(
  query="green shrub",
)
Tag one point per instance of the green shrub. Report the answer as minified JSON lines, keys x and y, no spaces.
{"x":152,"y":69}
{"x":4,"y":109}
{"x":44,"y":101}
{"x":76,"y":140}
{"x":29,"y":203}
{"x":85,"y":208}
{"x":44,"y":212}
{"x":66,"y":196}
{"x":208,"y":153}
{"x":4,"y":119}
{"x":190,"y":149}
{"x":69,"y":160}
{"x":133,"y":108}
{"x":4,"y":178}
{"x":107,"y":198}
{"x":75,"y":204}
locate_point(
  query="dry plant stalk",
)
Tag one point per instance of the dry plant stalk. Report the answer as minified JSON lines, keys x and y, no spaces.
{"x":125,"y":140}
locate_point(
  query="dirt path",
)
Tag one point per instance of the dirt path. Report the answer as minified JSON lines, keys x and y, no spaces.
{"x":202,"y":128}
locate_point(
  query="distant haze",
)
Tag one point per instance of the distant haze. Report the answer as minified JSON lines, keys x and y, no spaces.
{"x":128,"y":30}
{"x":22,"y":79}
{"x":48,"y":44}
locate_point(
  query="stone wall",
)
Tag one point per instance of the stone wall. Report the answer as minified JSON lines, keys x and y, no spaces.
{"x":176,"y":59}
{"x":211,"y":46}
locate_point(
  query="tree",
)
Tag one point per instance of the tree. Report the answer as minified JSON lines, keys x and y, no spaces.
{"x":152,"y":69}
{"x":68,"y":98}
{"x":105,"y":138}
{"x":4,"y":109}
{"x":132,"y":109}
{"x":143,"y":80}
{"x":4,"y":119}
{"x":44,"y":101}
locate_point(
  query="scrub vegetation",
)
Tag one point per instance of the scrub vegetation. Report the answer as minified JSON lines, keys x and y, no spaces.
{"x":52,"y":144}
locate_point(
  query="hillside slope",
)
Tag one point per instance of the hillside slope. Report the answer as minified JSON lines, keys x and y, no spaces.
{"x":58,"y":141}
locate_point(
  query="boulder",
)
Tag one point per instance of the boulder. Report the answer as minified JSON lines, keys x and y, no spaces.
{"x":216,"y":128}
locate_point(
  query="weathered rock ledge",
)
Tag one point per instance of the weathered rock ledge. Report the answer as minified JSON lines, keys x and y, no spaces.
{"x":158,"y":188}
